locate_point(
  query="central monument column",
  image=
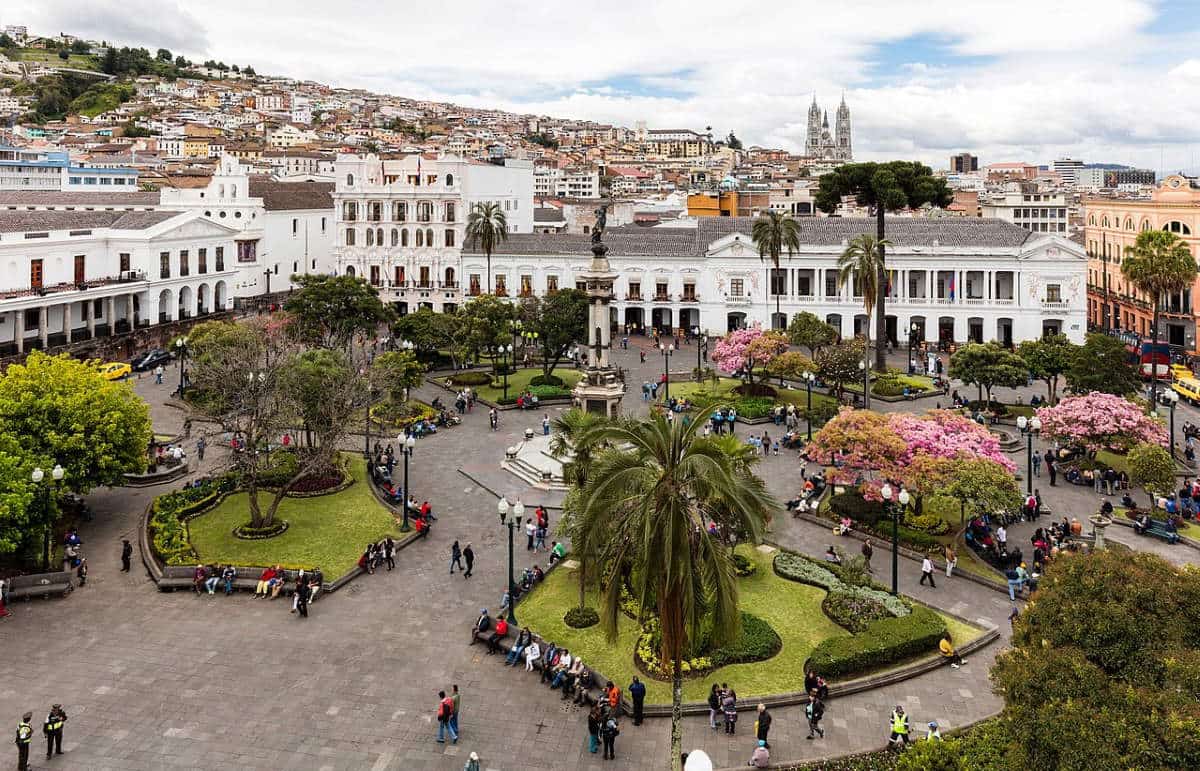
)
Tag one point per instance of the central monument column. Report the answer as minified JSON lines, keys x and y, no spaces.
{"x":600,"y":390}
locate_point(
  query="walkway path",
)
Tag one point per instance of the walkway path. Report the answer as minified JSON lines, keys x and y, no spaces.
{"x":153,"y":680}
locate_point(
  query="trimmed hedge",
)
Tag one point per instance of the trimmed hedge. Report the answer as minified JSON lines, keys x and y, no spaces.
{"x":853,"y":612}
{"x":471,"y":379}
{"x":549,"y":380}
{"x":581,"y":618}
{"x":884,"y":642}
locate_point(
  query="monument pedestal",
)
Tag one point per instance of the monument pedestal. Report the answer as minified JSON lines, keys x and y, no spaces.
{"x":600,"y":392}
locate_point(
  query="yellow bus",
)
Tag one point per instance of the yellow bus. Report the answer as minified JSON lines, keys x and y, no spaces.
{"x":1182,"y":372}
{"x":1188,"y":389}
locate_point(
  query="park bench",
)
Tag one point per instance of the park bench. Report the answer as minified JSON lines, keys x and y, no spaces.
{"x":1158,"y":529}
{"x":595,"y":687}
{"x":180,"y":577}
{"x":39,"y":585}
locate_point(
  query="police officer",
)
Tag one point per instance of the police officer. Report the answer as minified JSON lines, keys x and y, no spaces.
{"x":53,"y":729}
{"x":24,"y":737}
{"x":899,"y":735}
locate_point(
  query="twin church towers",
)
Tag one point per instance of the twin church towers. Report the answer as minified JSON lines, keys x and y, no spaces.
{"x":819,"y":142}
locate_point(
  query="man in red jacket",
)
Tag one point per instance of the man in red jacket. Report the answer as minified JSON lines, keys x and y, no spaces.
{"x":444,"y":711}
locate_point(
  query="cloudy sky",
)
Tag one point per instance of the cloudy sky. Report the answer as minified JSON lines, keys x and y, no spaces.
{"x":1010,"y":80}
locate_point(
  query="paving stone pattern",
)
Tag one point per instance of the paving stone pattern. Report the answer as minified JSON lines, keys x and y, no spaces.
{"x":155,"y":680}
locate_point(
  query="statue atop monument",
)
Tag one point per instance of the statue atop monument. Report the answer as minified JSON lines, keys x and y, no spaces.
{"x":601,"y":222}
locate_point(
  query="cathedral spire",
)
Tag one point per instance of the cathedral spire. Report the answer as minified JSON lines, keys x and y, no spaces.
{"x":825,"y":120}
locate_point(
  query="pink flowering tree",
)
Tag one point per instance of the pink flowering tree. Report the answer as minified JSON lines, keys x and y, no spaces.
{"x":1099,"y":421}
{"x":945,"y":434}
{"x":744,"y":349}
{"x":863,"y":442}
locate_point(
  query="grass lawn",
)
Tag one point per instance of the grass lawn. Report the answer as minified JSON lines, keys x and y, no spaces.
{"x":78,"y":61}
{"x":518,"y":381}
{"x":1117,"y":462}
{"x":793,"y":609}
{"x":329,"y":530}
{"x":724,"y":390}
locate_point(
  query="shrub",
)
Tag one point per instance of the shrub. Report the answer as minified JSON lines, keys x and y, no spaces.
{"x":757,"y":641}
{"x":581,"y":618}
{"x":754,"y":407}
{"x":471,"y":379}
{"x":852,"y":611}
{"x":927,"y":523}
{"x":796,"y":567}
{"x":882,"y":644}
{"x":857,"y":508}
{"x":744,"y":566}
{"x":550,"y":380}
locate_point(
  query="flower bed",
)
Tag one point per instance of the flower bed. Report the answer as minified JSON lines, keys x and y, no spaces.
{"x":758,"y":641}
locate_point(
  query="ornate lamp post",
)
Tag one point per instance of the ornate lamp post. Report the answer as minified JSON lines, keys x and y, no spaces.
{"x":1170,"y":398}
{"x":865,"y":368}
{"x":512,"y":523}
{"x":181,"y":346}
{"x":1029,"y":427}
{"x":902,"y":499}
{"x":912,"y":331}
{"x":699,"y":344}
{"x":506,"y":351}
{"x":667,"y":349}
{"x":407,"y":444}
{"x":37,"y":476}
{"x":809,"y":377}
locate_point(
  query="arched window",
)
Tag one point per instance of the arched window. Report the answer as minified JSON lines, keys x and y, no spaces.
{"x":420,"y":237}
{"x":395,"y":237}
{"x":449,"y":277}
{"x":1175,"y":226}
{"x":1129,"y":223}
{"x":349,"y":270}
{"x":1145,"y":224}
{"x":1092,"y":220}
{"x":404,"y":237}
{"x":379,"y":236}
{"x":349,"y":236}
{"x":449,"y":180}
{"x":370,"y":237}
{"x":424,"y":211}
{"x":450,"y":211}
{"x":1104,"y":222}
{"x":349,"y":180}
{"x":350,"y":211}
{"x":428,"y":237}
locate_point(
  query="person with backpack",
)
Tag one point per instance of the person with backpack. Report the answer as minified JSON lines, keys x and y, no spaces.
{"x":444,"y":711}
{"x":729,"y":710}
{"x":814,"y":711}
{"x":608,"y":735}
{"x":595,"y":720}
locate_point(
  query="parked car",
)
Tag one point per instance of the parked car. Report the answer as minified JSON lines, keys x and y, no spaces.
{"x":151,"y":359}
{"x":115,"y":370}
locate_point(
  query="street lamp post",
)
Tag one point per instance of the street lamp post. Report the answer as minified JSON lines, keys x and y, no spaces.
{"x":406,"y":449}
{"x":667,"y":349}
{"x":809,"y":377}
{"x":37,"y":476}
{"x":699,"y":369}
{"x":513,"y":523}
{"x":902,"y":500}
{"x":912,"y":331}
{"x":181,"y":348}
{"x":865,"y":368}
{"x":1028,"y":427}
{"x":506,"y":352}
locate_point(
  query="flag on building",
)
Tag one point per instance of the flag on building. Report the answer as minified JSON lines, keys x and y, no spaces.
{"x":951,"y":287}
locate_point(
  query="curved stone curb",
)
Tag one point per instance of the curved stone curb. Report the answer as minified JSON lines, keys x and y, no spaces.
{"x":907,"y":553}
{"x":158,"y":478}
{"x":1183,"y":539}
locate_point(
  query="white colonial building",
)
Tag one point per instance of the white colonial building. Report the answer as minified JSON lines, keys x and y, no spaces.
{"x":951,"y":279}
{"x":401,"y":222}
{"x":67,"y":276}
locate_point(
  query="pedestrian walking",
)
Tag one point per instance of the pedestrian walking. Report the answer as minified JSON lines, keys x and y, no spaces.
{"x":456,"y":700}
{"x":637,"y":692}
{"x":493,"y":419}
{"x":469,"y":556}
{"x":1050,"y":469}
{"x":899,"y":726}
{"x":546,"y":425}
{"x":594,"y":721}
{"x":530,"y":532}
{"x":608,"y":735}
{"x":201,"y":446}
{"x":158,"y":375}
{"x":762,"y":726}
{"x":1037,"y":464}
{"x":867,"y":551}
{"x":951,"y":559}
{"x":714,"y":706}
{"x":927,"y":572}
{"x":126,"y":555}
{"x":24,"y":737}
{"x":455,"y":557}
{"x":814,"y":711}
{"x":389,"y":552}
{"x":444,"y":710}
{"x":53,"y":730}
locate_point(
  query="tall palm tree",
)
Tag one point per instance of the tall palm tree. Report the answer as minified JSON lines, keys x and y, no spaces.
{"x":1158,"y":263}
{"x":487,"y":226}
{"x":646,"y":507}
{"x":773,"y":233}
{"x":863,"y":260}
{"x":576,"y":441}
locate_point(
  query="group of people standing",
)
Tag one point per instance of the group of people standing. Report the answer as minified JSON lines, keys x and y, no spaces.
{"x":52,"y":729}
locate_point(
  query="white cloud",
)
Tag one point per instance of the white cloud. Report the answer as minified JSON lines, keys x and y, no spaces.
{"x":1027,"y":79}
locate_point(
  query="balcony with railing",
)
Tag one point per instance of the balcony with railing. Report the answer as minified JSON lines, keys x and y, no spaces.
{"x":633,"y":297}
{"x":663,"y":298}
{"x":72,"y":286}
{"x":737,"y":299}
{"x":689,"y":298}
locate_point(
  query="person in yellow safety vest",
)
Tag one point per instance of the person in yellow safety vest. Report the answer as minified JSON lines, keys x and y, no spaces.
{"x":53,"y":729}
{"x":24,"y":737}
{"x":899,"y":735}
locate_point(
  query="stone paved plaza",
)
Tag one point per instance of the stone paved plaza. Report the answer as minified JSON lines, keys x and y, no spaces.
{"x":154,"y":680}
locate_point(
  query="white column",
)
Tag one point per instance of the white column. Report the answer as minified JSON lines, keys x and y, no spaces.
{"x":67,"y":322}
{"x":90,"y":309}
{"x":44,"y":326}
{"x":20,"y":333}
{"x":110,"y":309}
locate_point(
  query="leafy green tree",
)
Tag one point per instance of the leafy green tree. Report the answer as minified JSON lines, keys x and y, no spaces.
{"x":987,"y":365}
{"x":181,"y":62}
{"x":6,"y":41}
{"x":862,"y":263}
{"x":248,"y":70}
{"x":64,"y":54}
{"x":1151,"y":467}
{"x":487,"y":320}
{"x":775,"y":234}
{"x":791,"y":365}
{"x":576,"y":441}
{"x":733,"y":142}
{"x":560,"y":320}
{"x":487,"y":228}
{"x":838,"y":365}
{"x":646,"y":509}
{"x":163,"y":55}
{"x":16,"y":495}
{"x":324,"y":389}
{"x":1048,"y":359}
{"x":431,"y":332}
{"x":1159,"y":263}
{"x":980,"y":486}
{"x":396,"y":373}
{"x":80,"y":47}
{"x":60,"y":410}
{"x":805,"y":329}
{"x":1102,"y":364}
{"x":330,"y":311}
{"x":884,"y":187}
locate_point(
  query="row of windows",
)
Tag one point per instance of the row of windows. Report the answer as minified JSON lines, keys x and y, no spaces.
{"x":185,"y":266}
{"x":1042,"y":213}
{"x":101,"y":181}
{"x":400,"y":237}
{"x":1174,"y":226}
{"x":423,"y":211}
{"x":413,"y":179}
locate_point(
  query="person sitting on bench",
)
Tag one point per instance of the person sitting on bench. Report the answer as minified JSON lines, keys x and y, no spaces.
{"x":481,"y":626}
{"x":498,"y":635}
